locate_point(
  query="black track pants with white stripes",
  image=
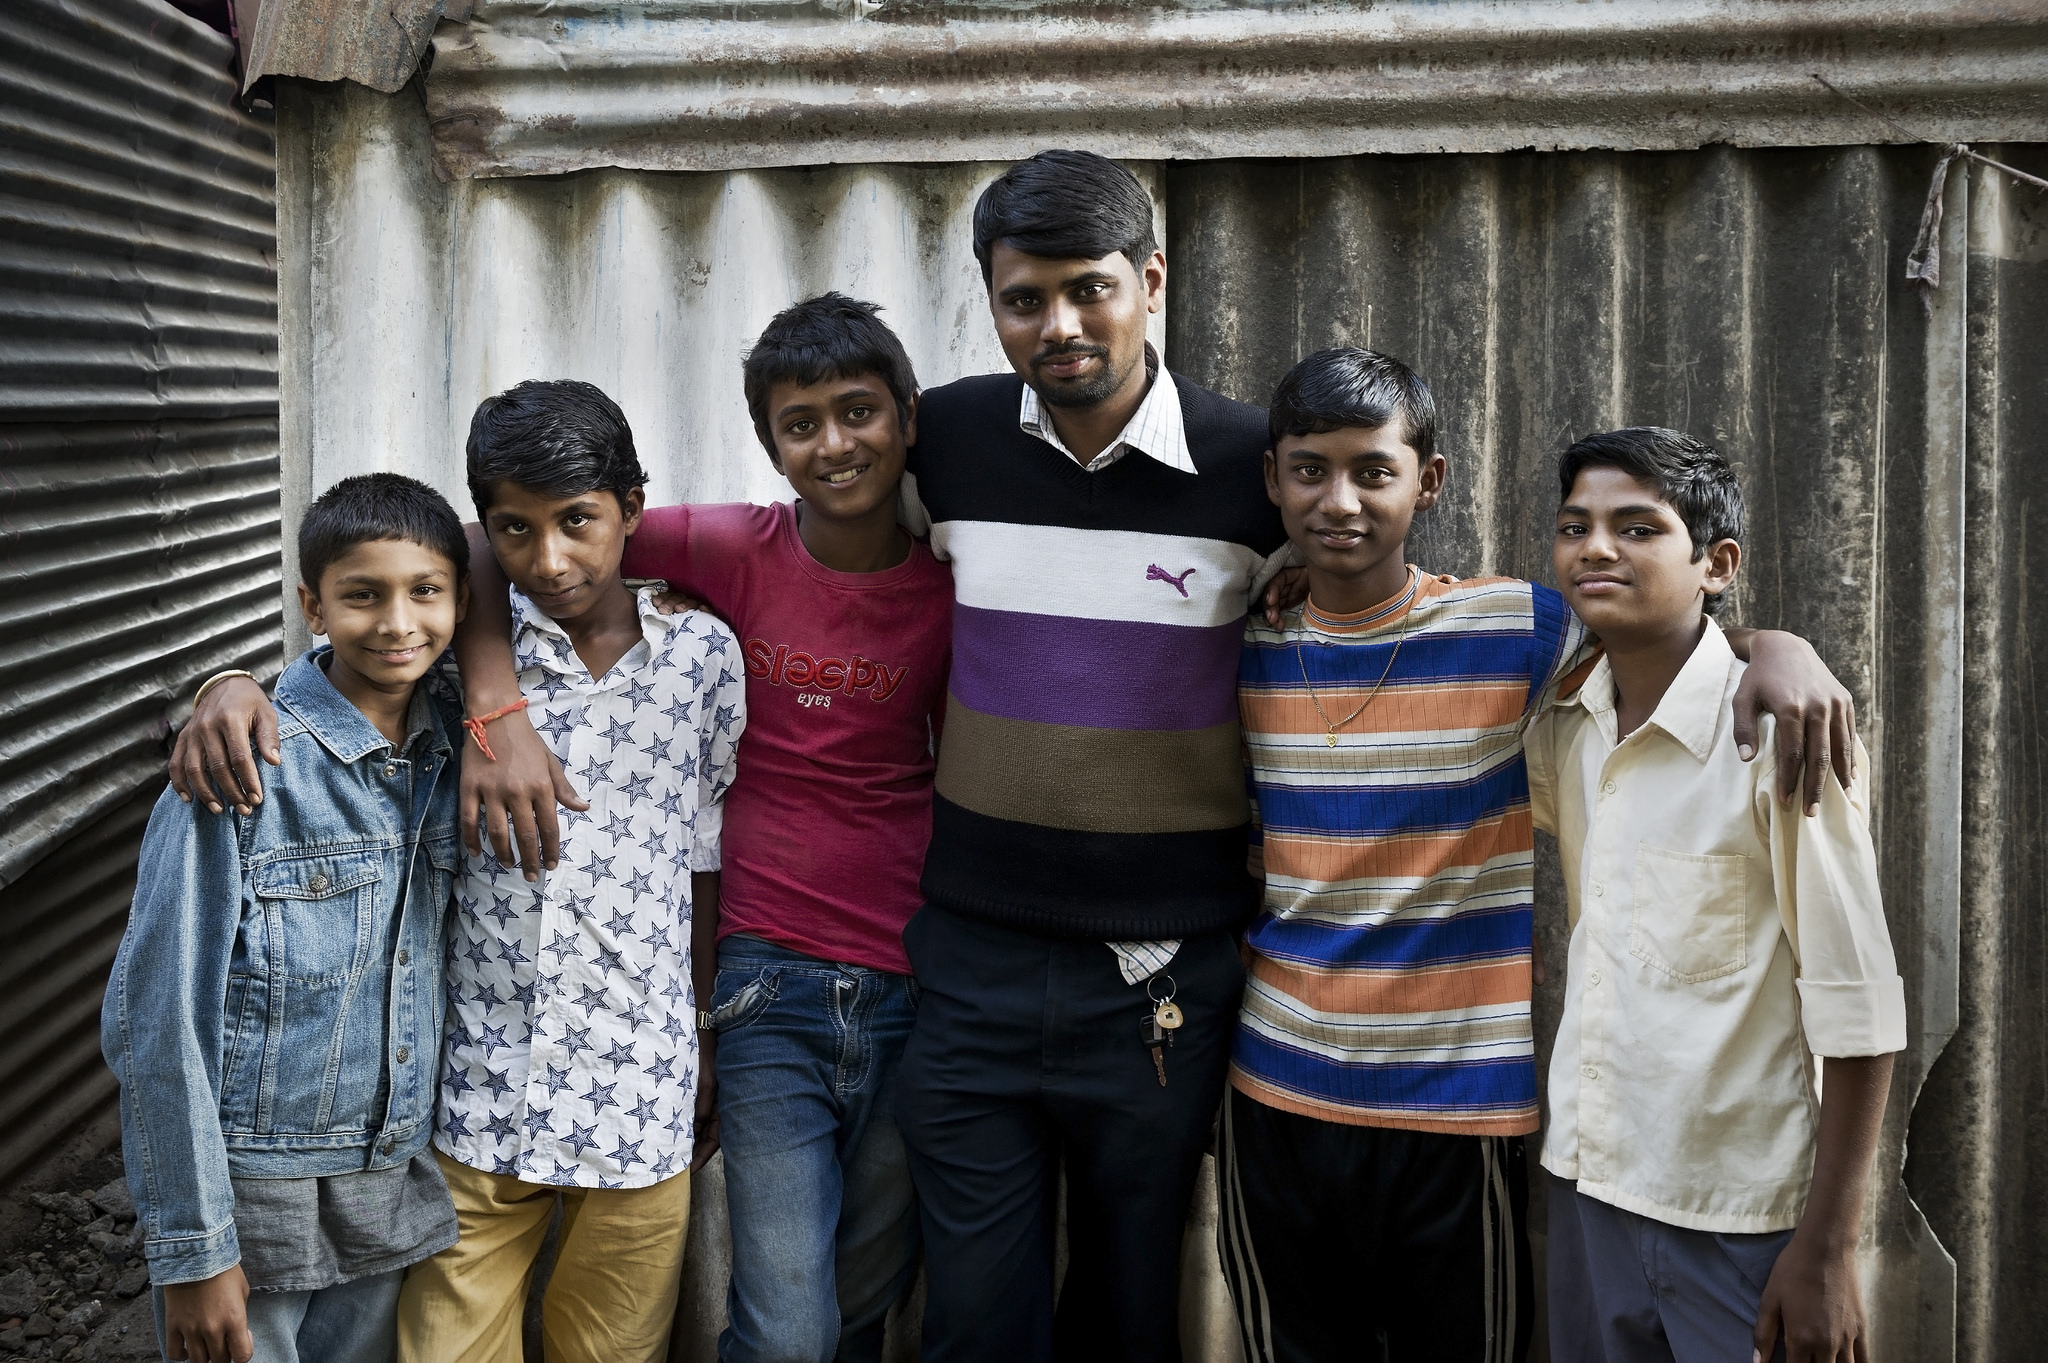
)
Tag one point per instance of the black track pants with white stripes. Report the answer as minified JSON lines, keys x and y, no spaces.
{"x":1346,"y":1243}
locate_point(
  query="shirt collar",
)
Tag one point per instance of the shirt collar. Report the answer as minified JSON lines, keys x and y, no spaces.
{"x":1692,"y":706}
{"x":1156,"y":430}
{"x":343,"y":730}
{"x":539,"y":641}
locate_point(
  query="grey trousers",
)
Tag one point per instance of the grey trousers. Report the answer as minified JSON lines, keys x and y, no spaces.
{"x":352,"y":1322}
{"x":1628,"y":1289}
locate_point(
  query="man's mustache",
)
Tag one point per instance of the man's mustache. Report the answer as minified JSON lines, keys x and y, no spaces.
{"x":1069,"y":350}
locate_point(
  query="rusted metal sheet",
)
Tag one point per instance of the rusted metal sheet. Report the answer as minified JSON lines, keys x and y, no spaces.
{"x":535,"y":87}
{"x":138,"y":485}
{"x":377,"y":44}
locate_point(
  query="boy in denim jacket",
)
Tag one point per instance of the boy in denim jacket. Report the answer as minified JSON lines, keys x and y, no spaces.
{"x":277,"y":1063}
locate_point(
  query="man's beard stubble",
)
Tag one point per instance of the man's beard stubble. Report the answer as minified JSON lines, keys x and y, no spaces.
{"x":1087,"y":393}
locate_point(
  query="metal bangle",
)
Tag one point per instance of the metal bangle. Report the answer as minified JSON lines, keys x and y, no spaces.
{"x":216,"y":678}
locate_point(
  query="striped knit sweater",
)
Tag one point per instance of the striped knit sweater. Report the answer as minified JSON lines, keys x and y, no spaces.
{"x":1390,"y":968}
{"x":1090,"y":779}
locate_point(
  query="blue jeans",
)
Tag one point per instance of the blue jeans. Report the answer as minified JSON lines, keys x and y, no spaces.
{"x":352,"y":1322}
{"x":824,"y":1225}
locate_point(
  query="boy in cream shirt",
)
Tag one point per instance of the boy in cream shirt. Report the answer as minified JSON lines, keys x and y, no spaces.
{"x":1705,"y":1198}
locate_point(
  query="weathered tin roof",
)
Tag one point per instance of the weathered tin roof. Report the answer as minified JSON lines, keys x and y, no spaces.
{"x":530,"y":87}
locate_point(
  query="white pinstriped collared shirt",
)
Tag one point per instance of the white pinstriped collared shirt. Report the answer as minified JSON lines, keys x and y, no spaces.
{"x":1156,"y":430}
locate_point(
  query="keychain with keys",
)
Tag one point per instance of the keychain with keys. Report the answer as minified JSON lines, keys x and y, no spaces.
{"x":1158,"y":1026}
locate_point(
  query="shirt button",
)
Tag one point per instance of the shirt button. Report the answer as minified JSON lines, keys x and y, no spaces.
{"x":1592,"y":977}
{"x":404,"y":956}
{"x":1599,"y":890}
{"x":1586,"y":1070}
{"x":317,"y":883}
{"x":390,"y":770}
{"x":391,"y":1147}
{"x":1608,"y":789}
{"x":404,"y":1054}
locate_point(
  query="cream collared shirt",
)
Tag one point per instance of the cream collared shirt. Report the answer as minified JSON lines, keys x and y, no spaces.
{"x":1720,"y":940}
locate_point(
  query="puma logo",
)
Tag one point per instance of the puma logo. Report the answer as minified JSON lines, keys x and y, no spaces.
{"x":1155,"y":573}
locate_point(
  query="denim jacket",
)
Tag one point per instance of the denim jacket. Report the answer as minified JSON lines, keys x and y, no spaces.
{"x":275,"y":1008}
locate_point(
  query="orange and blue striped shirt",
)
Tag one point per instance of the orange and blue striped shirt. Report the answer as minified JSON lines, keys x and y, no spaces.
{"x":1390,"y":978}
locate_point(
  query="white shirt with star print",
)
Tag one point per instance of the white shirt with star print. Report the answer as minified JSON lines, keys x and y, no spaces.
{"x":570,"y":1055}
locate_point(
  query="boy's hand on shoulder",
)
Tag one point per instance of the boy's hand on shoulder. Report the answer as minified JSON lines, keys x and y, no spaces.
{"x":1288,"y":589}
{"x":213,"y":760}
{"x":208,"y":1321}
{"x":672,"y":602}
{"x":512,"y":800}
{"x":1815,"y":1302}
{"x":1816,"y":714}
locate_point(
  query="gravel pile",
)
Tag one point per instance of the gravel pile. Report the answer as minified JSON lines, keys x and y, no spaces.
{"x":79,"y":1290}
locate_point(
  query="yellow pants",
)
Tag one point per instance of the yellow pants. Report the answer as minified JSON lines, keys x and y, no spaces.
{"x":613,"y":1293}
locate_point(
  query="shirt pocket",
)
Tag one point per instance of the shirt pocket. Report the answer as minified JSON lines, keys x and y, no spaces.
{"x":1689,"y":914}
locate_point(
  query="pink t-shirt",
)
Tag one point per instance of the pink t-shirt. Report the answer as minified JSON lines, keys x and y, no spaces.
{"x":831,"y":808}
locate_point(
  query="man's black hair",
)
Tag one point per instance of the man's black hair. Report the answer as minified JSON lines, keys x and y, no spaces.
{"x":1348,"y":386}
{"x":1692,"y":476}
{"x":378,"y":506}
{"x":827,"y":337}
{"x":554,"y":437}
{"x":1065,"y":205}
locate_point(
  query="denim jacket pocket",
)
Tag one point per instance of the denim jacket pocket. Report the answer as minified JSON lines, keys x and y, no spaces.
{"x":315,"y":921}
{"x":317,"y":910}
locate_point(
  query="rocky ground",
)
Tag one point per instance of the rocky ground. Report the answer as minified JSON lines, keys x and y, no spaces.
{"x":75,"y":1288}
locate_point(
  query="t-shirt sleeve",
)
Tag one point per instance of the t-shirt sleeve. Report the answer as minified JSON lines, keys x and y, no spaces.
{"x":1561,"y":650}
{"x":660,"y":548}
{"x":1824,"y":869}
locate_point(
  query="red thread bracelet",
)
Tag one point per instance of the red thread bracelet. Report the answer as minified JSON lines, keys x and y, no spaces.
{"x":475,"y":725}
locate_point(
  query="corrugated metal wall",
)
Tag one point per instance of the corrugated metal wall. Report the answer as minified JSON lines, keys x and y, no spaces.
{"x":1893,"y":449}
{"x":138,"y":485}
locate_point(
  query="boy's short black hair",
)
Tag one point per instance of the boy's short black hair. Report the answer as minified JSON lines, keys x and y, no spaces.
{"x":1350,"y":386}
{"x":1065,"y":205}
{"x":827,"y":337}
{"x":555,"y":437}
{"x":1694,"y":477}
{"x":378,"y":506}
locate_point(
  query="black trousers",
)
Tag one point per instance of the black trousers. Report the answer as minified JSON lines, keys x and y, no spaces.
{"x":1360,"y":1243}
{"x":1027,"y":1052}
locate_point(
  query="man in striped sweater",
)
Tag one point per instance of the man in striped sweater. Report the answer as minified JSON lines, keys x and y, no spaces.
{"x":1105,"y":519}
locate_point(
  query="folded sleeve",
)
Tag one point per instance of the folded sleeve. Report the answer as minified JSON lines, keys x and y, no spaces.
{"x":724,"y":710}
{"x":1539,"y":751}
{"x":1852,"y":1001}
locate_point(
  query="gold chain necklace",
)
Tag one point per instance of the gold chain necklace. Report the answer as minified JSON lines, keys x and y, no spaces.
{"x":1330,"y":734}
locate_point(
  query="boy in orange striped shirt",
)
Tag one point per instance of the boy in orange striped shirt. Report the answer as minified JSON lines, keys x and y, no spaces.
{"x":1383,"y":1075}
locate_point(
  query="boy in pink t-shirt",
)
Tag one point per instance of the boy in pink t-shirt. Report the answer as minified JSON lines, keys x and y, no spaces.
{"x":845,"y":625}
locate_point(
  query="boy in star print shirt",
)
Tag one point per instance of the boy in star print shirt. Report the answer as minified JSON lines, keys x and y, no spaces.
{"x":845,"y":625}
{"x":569,"y":1067}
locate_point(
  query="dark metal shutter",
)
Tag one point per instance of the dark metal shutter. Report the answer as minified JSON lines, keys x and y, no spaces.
{"x":138,"y":486}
